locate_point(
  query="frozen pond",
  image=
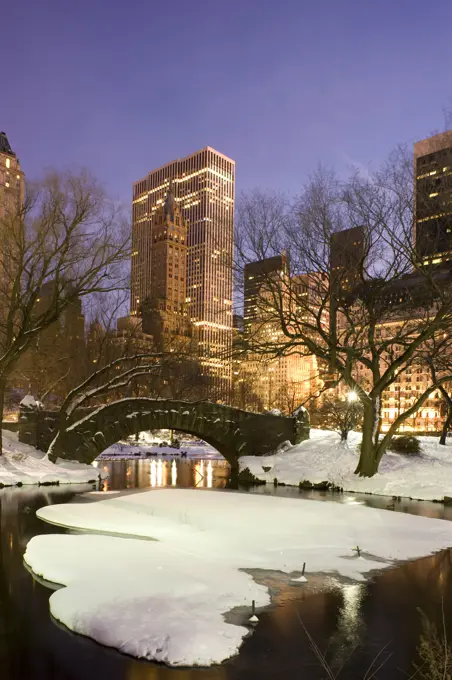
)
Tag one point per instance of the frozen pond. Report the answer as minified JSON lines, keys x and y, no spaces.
{"x":366,"y":616}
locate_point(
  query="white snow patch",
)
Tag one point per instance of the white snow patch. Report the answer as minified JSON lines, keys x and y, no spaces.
{"x":323,"y":458}
{"x":30,"y":402}
{"x":23,"y":464}
{"x":190,"y":575}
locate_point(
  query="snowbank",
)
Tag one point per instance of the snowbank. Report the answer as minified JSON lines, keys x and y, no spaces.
{"x":185,"y":580}
{"x":22,"y":464}
{"x":324,"y":459}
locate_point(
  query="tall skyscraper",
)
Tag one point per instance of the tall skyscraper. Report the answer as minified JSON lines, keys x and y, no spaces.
{"x":164,"y":312}
{"x":256,"y":276}
{"x":204,"y":188}
{"x":11,"y":178}
{"x":433,"y":192}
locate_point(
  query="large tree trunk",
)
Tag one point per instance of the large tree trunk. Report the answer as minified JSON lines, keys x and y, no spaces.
{"x":368,"y":460}
{"x":446,"y":425}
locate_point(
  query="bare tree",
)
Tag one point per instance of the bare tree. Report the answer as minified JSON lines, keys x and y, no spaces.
{"x":342,"y":415}
{"x":65,"y":236}
{"x":361,"y":301}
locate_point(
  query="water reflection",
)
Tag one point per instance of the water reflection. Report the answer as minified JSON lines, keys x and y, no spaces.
{"x":350,"y":625}
{"x":173,"y":473}
{"x":142,"y":473}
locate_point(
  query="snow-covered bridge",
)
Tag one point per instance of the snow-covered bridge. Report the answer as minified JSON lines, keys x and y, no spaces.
{"x":231,"y":431}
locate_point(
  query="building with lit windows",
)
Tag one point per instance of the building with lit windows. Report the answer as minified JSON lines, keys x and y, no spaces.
{"x":164,"y":311}
{"x":11,"y":178}
{"x":433,"y":195}
{"x":281,"y":382}
{"x":203,"y":187}
{"x":256,"y":274}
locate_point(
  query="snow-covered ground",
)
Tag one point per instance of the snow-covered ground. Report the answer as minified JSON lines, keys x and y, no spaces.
{"x":184,"y":581}
{"x":23,"y":464}
{"x":323,"y":458}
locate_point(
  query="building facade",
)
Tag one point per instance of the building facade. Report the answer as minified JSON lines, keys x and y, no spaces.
{"x":203,"y":186}
{"x":164,"y":311}
{"x":256,"y":275}
{"x":433,"y":196}
{"x":269,"y":382}
{"x":11,"y":178}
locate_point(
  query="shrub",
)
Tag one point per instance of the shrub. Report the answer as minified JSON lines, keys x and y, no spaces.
{"x":406,"y":445}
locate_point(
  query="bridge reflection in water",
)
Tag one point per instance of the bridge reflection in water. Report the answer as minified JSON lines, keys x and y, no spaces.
{"x":144,"y":473}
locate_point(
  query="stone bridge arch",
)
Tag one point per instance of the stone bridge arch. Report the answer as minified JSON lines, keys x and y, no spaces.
{"x":233,"y":432}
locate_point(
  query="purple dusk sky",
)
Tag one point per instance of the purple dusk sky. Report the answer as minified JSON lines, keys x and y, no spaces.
{"x":123,"y":86}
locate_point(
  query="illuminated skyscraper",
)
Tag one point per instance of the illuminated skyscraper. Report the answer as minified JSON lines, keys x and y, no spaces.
{"x":433,"y":187}
{"x":203,"y":185}
{"x":164,"y":312}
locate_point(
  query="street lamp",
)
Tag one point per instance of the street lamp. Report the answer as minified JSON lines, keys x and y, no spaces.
{"x":352,"y":396}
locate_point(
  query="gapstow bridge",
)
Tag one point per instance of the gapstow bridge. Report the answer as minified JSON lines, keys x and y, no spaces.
{"x":233,"y":432}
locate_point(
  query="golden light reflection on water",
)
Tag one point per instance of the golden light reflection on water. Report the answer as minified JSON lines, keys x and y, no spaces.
{"x":159,"y":473}
{"x":173,"y":473}
{"x":146,"y":671}
{"x":198,"y":473}
{"x":153,"y":473}
{"x":162,"y":473}
{"x":209,"y":474}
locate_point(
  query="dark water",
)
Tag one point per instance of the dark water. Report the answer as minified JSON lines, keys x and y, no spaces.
{"x":379,"y":614}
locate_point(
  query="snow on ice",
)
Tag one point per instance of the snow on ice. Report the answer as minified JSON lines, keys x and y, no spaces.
{"x":191,"y":574}
{"x":323,"y":458}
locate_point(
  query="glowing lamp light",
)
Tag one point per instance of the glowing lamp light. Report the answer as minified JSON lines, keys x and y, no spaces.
{"x":352,"y":396}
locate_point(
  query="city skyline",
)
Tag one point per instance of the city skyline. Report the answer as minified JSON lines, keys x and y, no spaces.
{"x":332,"y":96}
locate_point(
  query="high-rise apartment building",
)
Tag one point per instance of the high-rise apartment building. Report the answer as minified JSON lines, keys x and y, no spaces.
{"x":346,"y":255}
{"x":203,"y":185}
{"x":433,"y":195}
{"x":11,"y":178}
{"x":256,"y":275}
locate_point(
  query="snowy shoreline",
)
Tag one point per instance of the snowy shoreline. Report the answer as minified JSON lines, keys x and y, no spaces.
{"x":323,"y":459}
{"x":198,"y":569}
{"x":23,"y":465}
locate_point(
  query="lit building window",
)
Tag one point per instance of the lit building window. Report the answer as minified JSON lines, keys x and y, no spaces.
{"x":8,"y":162}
